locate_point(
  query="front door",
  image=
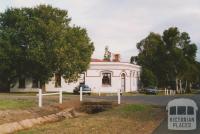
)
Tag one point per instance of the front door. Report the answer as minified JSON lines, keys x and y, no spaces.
{"x":123,"y":82}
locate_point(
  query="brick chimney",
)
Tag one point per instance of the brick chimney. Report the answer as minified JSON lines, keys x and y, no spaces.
{"x":116,"y":58}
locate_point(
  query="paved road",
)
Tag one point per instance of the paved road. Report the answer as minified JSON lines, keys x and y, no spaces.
{"x":157,"y":100}
{"x":143,"y":99}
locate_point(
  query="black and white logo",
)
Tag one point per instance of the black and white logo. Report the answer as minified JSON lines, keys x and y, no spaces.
{"x":182,"y":114}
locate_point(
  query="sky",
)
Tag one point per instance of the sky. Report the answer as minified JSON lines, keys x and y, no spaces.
{"x":121,"y":24}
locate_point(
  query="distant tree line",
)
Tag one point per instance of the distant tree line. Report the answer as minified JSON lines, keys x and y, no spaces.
{"x":168,"y":60}
{"x":39,"y":42}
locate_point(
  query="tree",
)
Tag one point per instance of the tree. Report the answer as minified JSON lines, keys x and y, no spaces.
{"x":107,"y":54}
{"x":148,"y":79}
{"x":39,"y":42}
{"x":133,"y":60}
{"x":170,"y":57}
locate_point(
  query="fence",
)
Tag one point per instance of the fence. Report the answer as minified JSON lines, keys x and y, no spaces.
{"x":40,"y":95}
{"x":118,"y":95}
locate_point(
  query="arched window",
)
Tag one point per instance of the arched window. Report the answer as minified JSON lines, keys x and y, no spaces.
{"x":106,"y":79}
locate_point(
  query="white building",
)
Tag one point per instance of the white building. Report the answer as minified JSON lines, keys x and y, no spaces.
{"x":111,"y":76}
{"x":106,"y":77}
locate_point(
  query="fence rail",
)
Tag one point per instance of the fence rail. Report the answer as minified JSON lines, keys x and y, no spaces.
{"x":119,"y":92}
{"x":40,"y":94}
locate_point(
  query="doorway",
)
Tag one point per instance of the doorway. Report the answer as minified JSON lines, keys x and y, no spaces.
{"x":123,"y":82}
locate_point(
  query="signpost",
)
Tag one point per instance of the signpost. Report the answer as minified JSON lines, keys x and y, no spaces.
{"x":119,"y":96}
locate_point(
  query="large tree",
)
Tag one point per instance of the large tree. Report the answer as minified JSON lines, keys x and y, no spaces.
{"x":170,"y":57}
{"x":39,"y":42}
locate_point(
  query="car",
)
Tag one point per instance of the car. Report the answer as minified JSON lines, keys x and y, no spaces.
{"x":141,"y":90}
{"x":151,"y":90}
{"x":85,"y":88}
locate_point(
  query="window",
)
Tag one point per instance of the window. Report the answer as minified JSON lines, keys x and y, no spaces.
{"x":190,"y":110}
{"x":123,"y":82}
{"x":181,"y":110}
{"x":82,"y":78}
{"x":35,"y":83}
{"x":57,"y":80}
{"x":22,"y":82}
{"x":173,"y":110}
{"x":106,"y":80}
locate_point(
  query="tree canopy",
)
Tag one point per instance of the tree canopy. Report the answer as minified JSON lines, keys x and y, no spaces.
{"x":171,"y":57}
{"x":39,"y":42}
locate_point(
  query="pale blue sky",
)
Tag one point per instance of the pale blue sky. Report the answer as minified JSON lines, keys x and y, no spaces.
{"x":121,"y":24}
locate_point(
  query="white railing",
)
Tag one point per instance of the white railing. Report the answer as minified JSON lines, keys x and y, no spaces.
{"x":81,"y":93}
{"x":118,"y":95}
{"x":40,"y":94}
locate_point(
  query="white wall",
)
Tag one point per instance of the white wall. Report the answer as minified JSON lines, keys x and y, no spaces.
{"x":28,"y":88}
{"x":93,"y":78}
{"x":66,"y":87}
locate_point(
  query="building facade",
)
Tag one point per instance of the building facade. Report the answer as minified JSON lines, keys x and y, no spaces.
{"x":101,"y":76}
{"x":112,"y":76}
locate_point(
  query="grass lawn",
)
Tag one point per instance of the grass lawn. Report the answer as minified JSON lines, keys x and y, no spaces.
{"x":126,"y":119}
{"x":16,"y":104}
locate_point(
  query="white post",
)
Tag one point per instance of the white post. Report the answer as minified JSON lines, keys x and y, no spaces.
{"x":165,"y":91}
{"x":40,"y":98}
{"x":60,"y":96}
{"x":119,"y":97}
{"x":81,"y":94}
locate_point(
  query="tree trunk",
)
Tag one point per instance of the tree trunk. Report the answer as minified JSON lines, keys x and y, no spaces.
{"x":4,"y":85}
{"x":180,"y":86}
{"x":42,"y":85}
{"x":190,"y":88}
{"x":177,"y":90}
{"x":186,"y":85}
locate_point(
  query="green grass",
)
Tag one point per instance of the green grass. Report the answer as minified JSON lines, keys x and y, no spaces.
{"x":16,"y":104}
{"x":131,"y":108}
{"x":142,"y":111}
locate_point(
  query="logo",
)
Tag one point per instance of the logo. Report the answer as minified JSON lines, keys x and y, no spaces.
{"x":182,"y":114}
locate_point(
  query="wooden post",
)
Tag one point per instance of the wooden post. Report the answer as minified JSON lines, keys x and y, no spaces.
{"x":60,"y":96}
{"x":119,"y":96}
{"x":40,"y":98}
{"x":81,"y":94}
